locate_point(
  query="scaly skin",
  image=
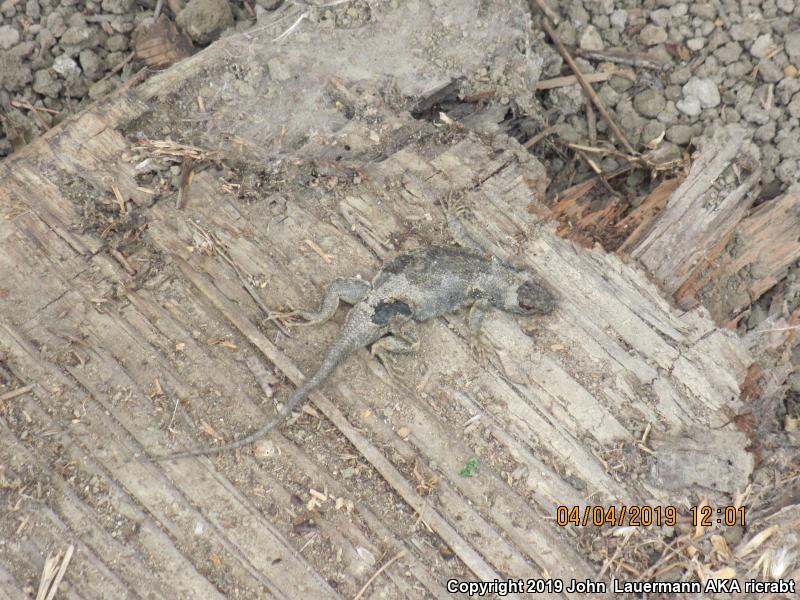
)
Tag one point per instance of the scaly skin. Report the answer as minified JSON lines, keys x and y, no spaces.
{"x":413,"y":287}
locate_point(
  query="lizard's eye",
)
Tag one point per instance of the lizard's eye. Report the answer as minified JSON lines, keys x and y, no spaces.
{"x":534,"y":297}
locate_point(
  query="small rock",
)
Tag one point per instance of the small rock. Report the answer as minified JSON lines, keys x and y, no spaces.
{"x":792,"y":44}
{"x":117,"y":42}
{"x":786,"y":89}
{"x":794,"y":106}
{"x":55,"y":23}
{"x":649,"y":103}
{"x":14,"y":74}
{"x":690,"y":106}
{"x":680,"y":134}
{"x":790,"y":71}
{"x":705,"y":90}
{"x":204,"y":20}
{"x":45,"y":84}
{"x":118,"y":7}
{"x":696,"y":44}
{"x":620,"y":84}
{"x":33,"y":10}
{"x":679,"y":9}
{"x":787,"y":171}
{"x":761,"y":46}
{"x":590,"y":39}
{"x":769,"y":71}
{"x":789,"y":147}
{"x":652,"y":131}
{"x":66,"y":67}
{"x":680,"y":76}
{"x":732,"y":115}
{"x":90,"y":63}
{"x":619,"y":18}
{"x":661,"y":17}
{"x":673,"y":92}
{"x":79,"y":36}
{"x":566,"y":31}
{"x":766,"y":132}
{"x":608,"y":95}
{"x":755,"y":113}
{"x":669,"y":116}
{"x":728,"y":53}
{"x":746,"y":30}
{"x":651,"y":35}
{"x":786,"y":6}
{"x":704,"y":10}
{"x":9,"y":37}
{"x":568,"y":99}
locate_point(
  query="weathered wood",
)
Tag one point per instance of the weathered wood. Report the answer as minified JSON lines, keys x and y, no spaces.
{"x":741,"y":268}
{"x":696,"y":219}
{"x":122,"y":350}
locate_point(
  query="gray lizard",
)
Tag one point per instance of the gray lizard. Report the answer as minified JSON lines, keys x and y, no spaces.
{"x":413,"y":287}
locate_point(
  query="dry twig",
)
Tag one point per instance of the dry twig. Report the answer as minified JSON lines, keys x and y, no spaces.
{"x":587,"y":88}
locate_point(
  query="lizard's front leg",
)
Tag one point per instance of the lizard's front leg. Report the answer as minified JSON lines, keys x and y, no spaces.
{"x":350,"y":291}
{"x":478,"y":341}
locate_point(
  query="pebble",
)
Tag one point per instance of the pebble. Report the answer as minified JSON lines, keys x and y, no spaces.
{"x":661,"y":17}
{"x":590,"y":39}
{"x":703,"y":10}
{"x":746,"y":30}
{"x":705,"y":90}
{"x":45,"y":84}
{"x":79,"y":36}
{"x":9,"y":37}
{"x":649,"y":103}
{"x":789,"y":146}
{"x":651,"y":35}
{"x":55,"y":23}
{"x":204,"y":20}
{"x":680,"y":134}
{"x":792,"y":44}
{"x":794,"y":106}
{"x":696,"y":44}
{"x":769,"y":71}
{"x":728,"y":53}
{"x":690,"y":106}
{"x":761,"y":46}
{"x":786,"y":171}
{"x":117,"y":6}
{"x":619,"y":18}
{"x":66,"y":67}
{"x":14,"y":74}
{"x":569,"y":99}
{"x":90,"y":63}
{"x":766,"y":132}
{"x":652,"y":131}
{"x":755,"y":113}
{"x":786,"y":89}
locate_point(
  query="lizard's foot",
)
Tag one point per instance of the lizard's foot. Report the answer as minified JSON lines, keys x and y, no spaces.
{"x":402,"y":342}
{"x":389,"y":364}
{"x":479,"y":345}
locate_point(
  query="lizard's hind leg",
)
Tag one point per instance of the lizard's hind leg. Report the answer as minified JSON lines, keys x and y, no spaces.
{"x":401,"y":340}
{"x":350,"y":291}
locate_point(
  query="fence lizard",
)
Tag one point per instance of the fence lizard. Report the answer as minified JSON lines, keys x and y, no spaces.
{"x":413,"y":287}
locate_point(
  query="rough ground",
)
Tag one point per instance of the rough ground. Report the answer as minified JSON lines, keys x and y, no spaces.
{"x":135,"y":331}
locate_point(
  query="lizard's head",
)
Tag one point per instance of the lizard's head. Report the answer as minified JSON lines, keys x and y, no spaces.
{"x":529,"y":296}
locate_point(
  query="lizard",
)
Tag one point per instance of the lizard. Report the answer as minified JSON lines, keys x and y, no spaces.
{"x":413,"y":287}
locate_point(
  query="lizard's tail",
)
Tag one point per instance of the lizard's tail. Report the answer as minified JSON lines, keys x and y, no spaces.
{"x":326,"y":368}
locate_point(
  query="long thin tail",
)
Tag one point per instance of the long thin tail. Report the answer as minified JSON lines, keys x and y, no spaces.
{"x":326,"y":368}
